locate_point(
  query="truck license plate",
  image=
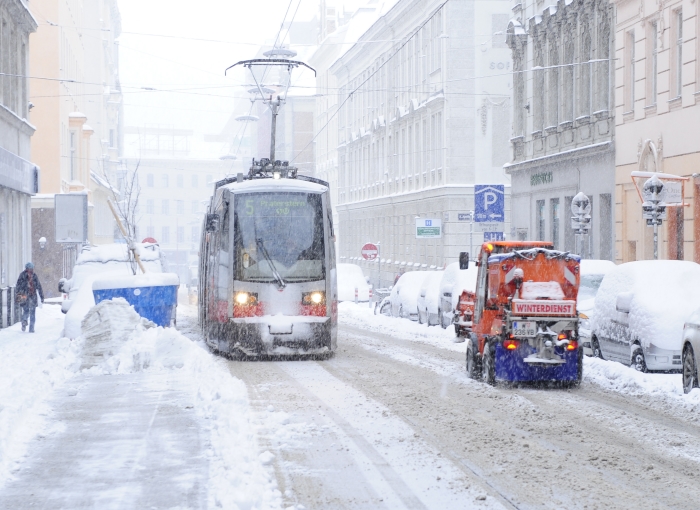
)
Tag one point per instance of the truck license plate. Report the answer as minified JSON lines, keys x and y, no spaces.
{"x":524,"y":328}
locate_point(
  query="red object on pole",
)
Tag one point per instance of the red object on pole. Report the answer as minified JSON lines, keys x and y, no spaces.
{"x":149,"y":240}
{"x":370,"y":251}
{"x":356,"y":295}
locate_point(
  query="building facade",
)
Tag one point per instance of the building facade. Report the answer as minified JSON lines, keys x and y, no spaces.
{"x":657,"y":99}
{"x":423,"y":114}
{"x":563,"y":137}
{"x":18,"y":176}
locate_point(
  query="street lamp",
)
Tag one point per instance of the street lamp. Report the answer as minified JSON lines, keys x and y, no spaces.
{"x":653,"y":208}
{"x":581,"y":221}
{"x":42,"y":242}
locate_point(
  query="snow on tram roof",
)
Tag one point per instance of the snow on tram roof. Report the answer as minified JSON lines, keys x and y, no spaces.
{"x":262,"y":185}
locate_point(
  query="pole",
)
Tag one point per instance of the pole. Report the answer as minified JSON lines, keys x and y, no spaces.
{"x":274,"y":108}
{"x":379,"y":265}
{"x":471,"y":234}
{"x":656,"y":239}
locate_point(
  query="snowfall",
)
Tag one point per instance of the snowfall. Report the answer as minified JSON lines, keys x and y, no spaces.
{"x":213,"y":458}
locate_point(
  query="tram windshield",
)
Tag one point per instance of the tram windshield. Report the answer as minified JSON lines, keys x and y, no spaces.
{"x":279,"y":235}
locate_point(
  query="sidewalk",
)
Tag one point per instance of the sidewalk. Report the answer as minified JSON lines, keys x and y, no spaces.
{"x":123,"y":441}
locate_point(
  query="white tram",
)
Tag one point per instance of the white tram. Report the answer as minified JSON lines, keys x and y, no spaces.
{"x":267,"y":274}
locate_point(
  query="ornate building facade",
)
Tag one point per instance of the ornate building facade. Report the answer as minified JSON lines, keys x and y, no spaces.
{"x":563,"y":121}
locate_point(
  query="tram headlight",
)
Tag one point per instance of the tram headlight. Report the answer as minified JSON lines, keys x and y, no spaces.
{"x":313,"y":298}
{"x":246,"y":298}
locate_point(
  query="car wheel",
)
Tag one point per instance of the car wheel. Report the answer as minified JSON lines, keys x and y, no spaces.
{"x":385,"y":309}
{"x":420,"y":317}
{"x":401,"y":315}
{"x":488,"y":370}
{"x":690,"y":370}
{"x":595,"y":347}
{"x":638,"y":362}
{"x":473,"y":363}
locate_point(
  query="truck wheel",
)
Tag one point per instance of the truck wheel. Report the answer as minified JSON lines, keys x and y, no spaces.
{"x":638,"y":362}
{"x":579,"y":371}
{"x":595,"y":347}
{"x":473,"y":361}
{"x":488,"y":365}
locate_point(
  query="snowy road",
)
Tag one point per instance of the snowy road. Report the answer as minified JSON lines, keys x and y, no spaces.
{"x":395,"y":423}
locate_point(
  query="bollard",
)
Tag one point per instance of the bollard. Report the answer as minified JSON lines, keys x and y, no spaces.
{"x":370,"y":297}
{"x":356,"y":296}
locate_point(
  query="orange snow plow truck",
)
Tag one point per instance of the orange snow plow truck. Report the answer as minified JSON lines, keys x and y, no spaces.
{"x":524,"y":326}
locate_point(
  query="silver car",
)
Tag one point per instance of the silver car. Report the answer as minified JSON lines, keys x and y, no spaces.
{"x":691,"y":350}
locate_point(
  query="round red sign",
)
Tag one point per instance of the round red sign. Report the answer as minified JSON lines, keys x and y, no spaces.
{"x":370,"y":251}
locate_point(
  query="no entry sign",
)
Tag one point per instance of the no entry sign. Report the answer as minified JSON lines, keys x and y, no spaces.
{"x":369,"y":251}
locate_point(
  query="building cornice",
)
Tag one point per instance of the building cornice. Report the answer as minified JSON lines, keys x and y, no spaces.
{"x":20,"y":12}
{"x":561,"y":157}
{"x":7,"y":115}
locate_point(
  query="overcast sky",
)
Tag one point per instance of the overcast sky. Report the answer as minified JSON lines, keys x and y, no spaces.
{"x":205,"y":98}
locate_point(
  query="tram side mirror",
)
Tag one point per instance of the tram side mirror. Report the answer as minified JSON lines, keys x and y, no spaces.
{"x":212,"y":223}
{"x":464,"y":260}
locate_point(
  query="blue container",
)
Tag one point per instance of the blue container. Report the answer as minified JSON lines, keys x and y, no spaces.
{"x":153,"y":303}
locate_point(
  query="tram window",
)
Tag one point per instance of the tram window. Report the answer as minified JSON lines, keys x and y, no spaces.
{"x":284,"y":230}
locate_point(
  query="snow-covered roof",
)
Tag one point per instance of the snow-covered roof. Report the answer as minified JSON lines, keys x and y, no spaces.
{"x":261,"y":185}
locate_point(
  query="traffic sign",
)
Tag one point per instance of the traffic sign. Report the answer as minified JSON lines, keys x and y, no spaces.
{"x":488,"y":227}
{"x":369,"y":251}
{"x":428,"y":228}
{"x":489,"y":203}
{"x":493,"y":236}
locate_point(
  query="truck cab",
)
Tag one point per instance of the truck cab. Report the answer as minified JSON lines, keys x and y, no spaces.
{"x":525,"y":323}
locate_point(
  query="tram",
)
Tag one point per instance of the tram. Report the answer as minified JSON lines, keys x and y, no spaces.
{"x":267,"y":275}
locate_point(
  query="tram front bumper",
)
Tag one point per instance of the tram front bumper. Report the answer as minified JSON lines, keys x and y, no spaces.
{"x":281,"y":334}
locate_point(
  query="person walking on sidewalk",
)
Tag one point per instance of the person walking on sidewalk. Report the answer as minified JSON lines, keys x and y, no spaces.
{"x":27,"y":287}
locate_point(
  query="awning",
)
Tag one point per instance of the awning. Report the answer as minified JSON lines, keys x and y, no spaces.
{"x":17,"y":173}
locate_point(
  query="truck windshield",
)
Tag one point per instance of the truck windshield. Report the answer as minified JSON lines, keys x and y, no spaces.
{"x":279,"y":235}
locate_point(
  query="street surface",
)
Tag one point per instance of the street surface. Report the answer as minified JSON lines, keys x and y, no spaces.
{"x":390,"y":423}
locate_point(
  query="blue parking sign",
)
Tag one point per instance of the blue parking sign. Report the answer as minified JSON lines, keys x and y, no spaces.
{"x":489,"y":203}
{"x":493,"y":236}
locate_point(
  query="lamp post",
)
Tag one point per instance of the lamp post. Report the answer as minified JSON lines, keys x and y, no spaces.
{"x":653,"y":208}
{"x":581,"y":220}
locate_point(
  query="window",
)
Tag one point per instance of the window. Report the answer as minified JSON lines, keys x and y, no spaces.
{"x":164,"y":180}
{"x":150,"y":231}
{"x":111,"y":138}
{"x":195,"y":206}
{"x":150,"y":207}
{"x":149,"y":180}
{"x":554,"y":209}
{"x":165,"y":235}
{"x":553,"y":85}
{"x":180,"y":204}
{"x":195,"y":234}
{"x":540,"y":220}
{"x":73,"y":157}
{"x":584,"y":82}
{"x":180,"y":181}
{"x":180,"y":234}
{"x":209,"y":180}
{"x":629,"y":104}
{"x":165,"y":207}
{"x":652,"y":67}
{"x":679,"y":54}
{"x":569,"y":236}
{"x":606,"y":226}
{"x":195,"y":181}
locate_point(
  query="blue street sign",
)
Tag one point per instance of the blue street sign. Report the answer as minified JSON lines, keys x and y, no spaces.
{"x":493,"y":236}
{"x":489,"y":203}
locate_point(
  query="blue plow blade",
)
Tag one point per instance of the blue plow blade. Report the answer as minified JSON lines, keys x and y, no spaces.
{"x":511,"y":367}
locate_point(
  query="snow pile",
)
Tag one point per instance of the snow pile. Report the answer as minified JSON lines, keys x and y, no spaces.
{"x":137,"y":280}
{"x":351,"y":277}
{"x":31,"y":366}
{"x":465,"y":280}
{"x":663,"y":295}
{"x":542,"y":290}
{"x":360,"y":316}
{"x":406,"y":291}
{"x":237,"y":472}
{"x":614,"y":376}
{"x":431,"y":288}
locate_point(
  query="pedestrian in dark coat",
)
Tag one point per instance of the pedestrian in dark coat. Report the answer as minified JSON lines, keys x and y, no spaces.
{"x":26,"y":290}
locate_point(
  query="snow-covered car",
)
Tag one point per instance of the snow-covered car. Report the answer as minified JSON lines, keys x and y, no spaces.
{"x":592,"y":273}
{"x":404,"y":295}
{"x":429,"y":299}
{"x":691,"y":351}
{"x":351,"y":277}
{"x":97,"y":262}
{"x":640,"y":310}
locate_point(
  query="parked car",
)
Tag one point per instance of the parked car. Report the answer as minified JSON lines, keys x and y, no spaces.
{"x":95,"y":262}
{"x":691,"y":351}
{"x":404,"y":295}
{"x":351,"y":277}
{"x":429,"y":299}
{"x":592,"y":273}
{"x":449,"y":276}
{"x":640,"y":310}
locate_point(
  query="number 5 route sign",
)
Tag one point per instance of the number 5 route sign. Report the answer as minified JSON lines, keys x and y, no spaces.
{"x":369,"y":251}
{"x":489,"y":203}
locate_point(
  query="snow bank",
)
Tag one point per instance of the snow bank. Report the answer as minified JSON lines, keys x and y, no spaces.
{"x":118,"y":252}
{"x":31,"y":366}
{"x":614,"y":376}
{"x":360,"y":316}
{"x":350,"y":276}
{"x":238,"y":476}
{"x":663,"y":295}
{"x":134,"y":281}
